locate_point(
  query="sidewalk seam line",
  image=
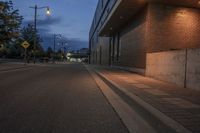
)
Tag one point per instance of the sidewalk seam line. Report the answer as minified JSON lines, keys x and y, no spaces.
{"x":127,"y":123}
{"x":165,"y":119}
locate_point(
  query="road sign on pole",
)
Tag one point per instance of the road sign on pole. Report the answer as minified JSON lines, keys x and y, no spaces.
{"x":25,"y":45}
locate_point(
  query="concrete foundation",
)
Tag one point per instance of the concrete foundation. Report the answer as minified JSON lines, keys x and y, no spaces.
{"x":167,"y":66}
{"x":193,"y":69}
{"x":171,"y":66}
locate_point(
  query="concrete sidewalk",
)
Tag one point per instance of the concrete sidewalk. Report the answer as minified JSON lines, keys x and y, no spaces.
{"x":177,"y":107}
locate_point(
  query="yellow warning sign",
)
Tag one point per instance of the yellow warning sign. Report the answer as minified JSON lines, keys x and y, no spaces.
{"x":25,"y":44}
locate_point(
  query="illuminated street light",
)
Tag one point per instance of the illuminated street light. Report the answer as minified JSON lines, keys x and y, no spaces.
{"x":48,"y":12}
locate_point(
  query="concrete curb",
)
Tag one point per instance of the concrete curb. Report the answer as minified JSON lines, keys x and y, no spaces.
{"x":159,"y":115}
{"x":134,"y":122}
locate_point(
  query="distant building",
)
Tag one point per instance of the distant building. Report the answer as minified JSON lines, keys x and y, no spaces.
{"x":83,"y":51}
{"x":156,"y":38}
{"x":79,"y":56}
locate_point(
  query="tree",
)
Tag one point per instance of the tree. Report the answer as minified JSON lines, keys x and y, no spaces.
{"x":49,"y":52}
{"x":10,"y":22}
{"x":28,"y":34}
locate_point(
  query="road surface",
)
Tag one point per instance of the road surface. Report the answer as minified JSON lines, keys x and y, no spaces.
{"x":54,"y":99}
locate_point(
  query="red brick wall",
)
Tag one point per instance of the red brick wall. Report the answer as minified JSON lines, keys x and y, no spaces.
{"x":171,"y":27}
{"x":155,"y":28}
{"x":133,"y":50}
{"x":104,"y":42}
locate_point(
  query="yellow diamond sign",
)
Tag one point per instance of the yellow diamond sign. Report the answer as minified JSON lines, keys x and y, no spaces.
{"x":25,"y":44}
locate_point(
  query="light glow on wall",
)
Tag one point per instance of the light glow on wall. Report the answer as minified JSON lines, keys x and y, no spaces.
{"x":185,"y":26}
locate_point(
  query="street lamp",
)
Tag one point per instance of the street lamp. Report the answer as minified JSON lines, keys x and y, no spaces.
{"x":64,"y":43}
{"x":48,"y":12}
{"x":63,"y":48}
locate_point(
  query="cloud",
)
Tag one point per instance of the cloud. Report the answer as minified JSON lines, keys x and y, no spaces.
{"x":72,"y":43}
{"x":48,"y":21}
{"x":45,"y":32}
{"x":43,"y":25}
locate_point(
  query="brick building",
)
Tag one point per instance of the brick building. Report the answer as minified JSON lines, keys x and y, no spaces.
{"x":157,"y":38}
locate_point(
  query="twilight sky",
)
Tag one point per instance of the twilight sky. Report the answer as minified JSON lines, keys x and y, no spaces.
{"x":71,"y":18}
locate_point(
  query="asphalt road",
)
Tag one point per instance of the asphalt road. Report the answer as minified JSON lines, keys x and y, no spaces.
{"x":54,"y":99}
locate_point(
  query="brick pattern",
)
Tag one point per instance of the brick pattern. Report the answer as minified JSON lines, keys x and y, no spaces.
{"x":180,"y":104}
{"x":104,"y":42}
{"x":154,"y":29}
{"x":133,"y":50}
{"x":172,"y":27}
{"x":166,"y":28}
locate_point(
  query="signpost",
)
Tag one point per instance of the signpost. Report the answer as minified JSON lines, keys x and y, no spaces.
{"x":25,"y":45}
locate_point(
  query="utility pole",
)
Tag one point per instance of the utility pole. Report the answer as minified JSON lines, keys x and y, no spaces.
{"x":54,"y":44}
{"x":54,"y":47}
{"x":35,"y":26}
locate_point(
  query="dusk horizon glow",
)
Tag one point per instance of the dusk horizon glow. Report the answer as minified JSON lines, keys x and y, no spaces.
{"x":71,"y":18}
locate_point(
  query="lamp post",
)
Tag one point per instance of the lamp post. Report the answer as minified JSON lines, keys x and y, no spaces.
{"x":48,"y":12}
{"x":64,"y":43}
{"x":63,"y":48}
{"x":54,"y":44}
